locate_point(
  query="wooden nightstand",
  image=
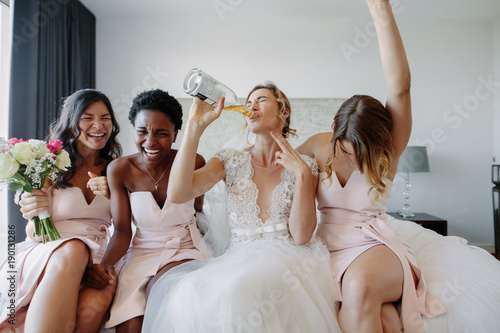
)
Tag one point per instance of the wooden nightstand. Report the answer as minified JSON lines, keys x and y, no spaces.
{"x":427,"y":221}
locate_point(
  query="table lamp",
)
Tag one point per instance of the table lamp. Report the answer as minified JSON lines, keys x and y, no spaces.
{"x":414,"y":159}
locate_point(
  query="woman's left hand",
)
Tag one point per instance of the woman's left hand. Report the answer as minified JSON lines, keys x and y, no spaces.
{"x":98,"y":184}
{"x":289,"y":158}
{"x":98,"y":276}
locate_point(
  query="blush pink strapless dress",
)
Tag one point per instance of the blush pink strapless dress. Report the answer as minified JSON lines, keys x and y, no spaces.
{"x":74,"y":218}
{"x":351,"y":223}
{"x":163,"y":235}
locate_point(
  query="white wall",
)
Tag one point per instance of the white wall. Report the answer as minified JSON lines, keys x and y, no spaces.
{"x":303,"y":56}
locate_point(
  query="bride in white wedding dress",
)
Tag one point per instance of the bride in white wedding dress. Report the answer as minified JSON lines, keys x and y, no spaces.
{"x":275,"y":276}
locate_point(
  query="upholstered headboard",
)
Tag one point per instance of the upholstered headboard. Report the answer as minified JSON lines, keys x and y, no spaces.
{"x":309,"y":116}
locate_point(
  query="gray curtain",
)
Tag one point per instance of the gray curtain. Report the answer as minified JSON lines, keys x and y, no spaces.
{"x":53,"y":55}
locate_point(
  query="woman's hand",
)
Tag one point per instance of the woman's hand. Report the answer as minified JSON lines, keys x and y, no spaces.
{"x":289,"y":158}
{"x":302,"y":222}
{"x":98,"y":185}
{"x":35,"y":203}
{"x":32,"y":204}
{"x":203,"y":114}
{"x":98,"y":276}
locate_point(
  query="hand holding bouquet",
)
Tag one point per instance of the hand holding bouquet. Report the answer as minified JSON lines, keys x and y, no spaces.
{"x":25,"y":165}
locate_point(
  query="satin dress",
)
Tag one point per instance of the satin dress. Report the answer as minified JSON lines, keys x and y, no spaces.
{"x":163,"y":235}
{"x":353,"y":222}
{"x":74,"y":218}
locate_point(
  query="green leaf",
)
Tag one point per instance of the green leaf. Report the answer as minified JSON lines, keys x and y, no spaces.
{"x":15,"y":186}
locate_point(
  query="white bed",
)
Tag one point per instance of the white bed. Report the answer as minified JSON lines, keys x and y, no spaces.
{"x":466,"y":279}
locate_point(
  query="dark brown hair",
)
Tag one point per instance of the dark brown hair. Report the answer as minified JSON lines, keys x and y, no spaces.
{"x":67,"y":129}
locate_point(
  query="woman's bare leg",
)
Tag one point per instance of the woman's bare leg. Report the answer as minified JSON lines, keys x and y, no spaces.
{"x":372,"y":279}
{"x":53,"y":306}
{"x":92,"y":307}
{"x":162,"y":271}
{"x":390,"y":319}
{"x":135,"y":324}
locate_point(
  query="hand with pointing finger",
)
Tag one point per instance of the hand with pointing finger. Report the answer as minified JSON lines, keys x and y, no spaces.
{"x":289,"y":158}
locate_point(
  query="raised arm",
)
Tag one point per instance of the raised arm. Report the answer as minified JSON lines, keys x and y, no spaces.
{"x":185,"y":183}
{"x":397,"y":75}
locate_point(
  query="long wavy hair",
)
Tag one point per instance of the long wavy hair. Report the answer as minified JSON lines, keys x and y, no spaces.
{"x":283,"y":103}
{"x":66,"y":128}
{"x":365,"y":123}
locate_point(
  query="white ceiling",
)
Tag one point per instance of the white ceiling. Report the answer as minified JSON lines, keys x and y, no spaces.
{"x":406,"y":9}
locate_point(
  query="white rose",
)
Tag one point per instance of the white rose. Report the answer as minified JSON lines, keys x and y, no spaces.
{"x":8,"y":166}
{"x":62,"y":160}
{"x":39,"y":147}
{"x":22,"y":152}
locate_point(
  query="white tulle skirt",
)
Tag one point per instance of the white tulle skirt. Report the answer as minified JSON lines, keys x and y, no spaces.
{"x":264,"y":286}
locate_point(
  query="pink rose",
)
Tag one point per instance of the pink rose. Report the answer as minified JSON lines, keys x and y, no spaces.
{"x":55,"y":145}
{"x":16,"y":140}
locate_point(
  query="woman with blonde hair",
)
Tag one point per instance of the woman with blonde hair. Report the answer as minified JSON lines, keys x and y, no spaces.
{"x":275,"y":276}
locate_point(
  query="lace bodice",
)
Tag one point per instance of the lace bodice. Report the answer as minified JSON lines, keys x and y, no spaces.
{"x":242,"y":194}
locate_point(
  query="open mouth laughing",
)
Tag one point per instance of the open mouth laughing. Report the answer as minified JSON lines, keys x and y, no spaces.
{"x":151,"y":152}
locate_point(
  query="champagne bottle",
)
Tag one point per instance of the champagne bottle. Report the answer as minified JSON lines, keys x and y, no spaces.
{"x":199,"y":84}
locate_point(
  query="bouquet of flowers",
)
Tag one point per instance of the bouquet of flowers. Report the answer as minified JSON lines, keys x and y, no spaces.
{"x":25,"y":165}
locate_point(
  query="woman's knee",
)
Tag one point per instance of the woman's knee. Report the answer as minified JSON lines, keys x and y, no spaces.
{"x":71,"y":254}
{"x":377,"y":276}
{"x":358,"y":287}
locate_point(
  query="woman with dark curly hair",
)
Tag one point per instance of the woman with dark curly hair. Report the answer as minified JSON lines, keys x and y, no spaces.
{"x":50,"y":296}
{"x":166,"y":233}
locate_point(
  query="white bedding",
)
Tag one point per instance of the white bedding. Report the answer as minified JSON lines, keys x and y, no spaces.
{"x":466,"y":279}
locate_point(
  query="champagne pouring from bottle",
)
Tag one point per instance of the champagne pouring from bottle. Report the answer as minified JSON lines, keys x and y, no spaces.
{"x":199,"y":84}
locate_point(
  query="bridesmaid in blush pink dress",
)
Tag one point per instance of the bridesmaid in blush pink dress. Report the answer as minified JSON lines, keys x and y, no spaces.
{"x":378,"y":284}
{"x":50,"y":296}
{"x":166,"y":234}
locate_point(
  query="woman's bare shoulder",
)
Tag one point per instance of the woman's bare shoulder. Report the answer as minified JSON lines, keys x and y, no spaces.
{"x":122,"y":164}
{"x":316,"y":144}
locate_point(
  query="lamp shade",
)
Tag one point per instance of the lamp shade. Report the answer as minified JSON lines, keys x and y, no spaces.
{"x":414,"y":159}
